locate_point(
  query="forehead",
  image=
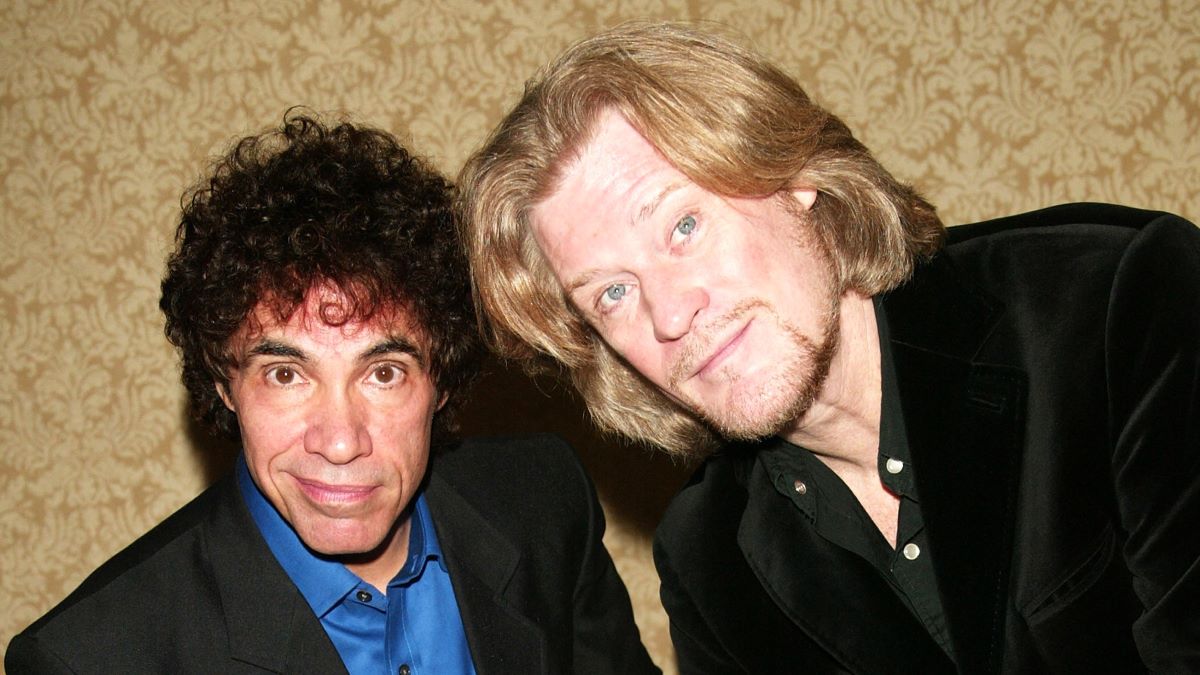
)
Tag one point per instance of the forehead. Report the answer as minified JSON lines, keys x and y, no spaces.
{"x":616,"y":176}
{"x":615,"y":156}
{"x":326,"y":315}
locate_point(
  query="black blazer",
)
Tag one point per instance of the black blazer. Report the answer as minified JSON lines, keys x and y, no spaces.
{"x":1049,"y":374}
{"x":519,"y":525}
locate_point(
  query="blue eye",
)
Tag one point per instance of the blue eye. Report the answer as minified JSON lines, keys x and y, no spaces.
{"x":615,"y":292}
{"x":686,"y":225}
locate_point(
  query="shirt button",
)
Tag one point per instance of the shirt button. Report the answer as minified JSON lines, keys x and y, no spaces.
{"x":800,"y":487}
{"x":405,"y":670}
{"x":911,"y":551}
{"x":363,"y":596}
{"x":894,"y":466}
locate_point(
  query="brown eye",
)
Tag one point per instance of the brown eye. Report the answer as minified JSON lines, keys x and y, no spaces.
{"x":385,"y":374}
{"x":284,"y":375}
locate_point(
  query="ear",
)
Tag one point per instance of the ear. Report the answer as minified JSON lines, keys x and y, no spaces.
{"x":804,"y":196}
{"x":441,"y":401}
{"x":223,"y":392}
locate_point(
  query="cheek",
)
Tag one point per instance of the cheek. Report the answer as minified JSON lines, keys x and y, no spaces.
{"x":643,"y":352}
{"x":405,"y":455}
{"x":264,"y":441}
{"x":268,"y":431}
{"x":403,"y":431}
{"x":790,"y":270}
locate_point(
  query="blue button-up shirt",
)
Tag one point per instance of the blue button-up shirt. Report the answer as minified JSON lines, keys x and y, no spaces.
{"x":415,"y":628}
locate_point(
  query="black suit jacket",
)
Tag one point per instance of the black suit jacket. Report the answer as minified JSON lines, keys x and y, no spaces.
{"x":1049,"y":374}
{"x":520,"y":529}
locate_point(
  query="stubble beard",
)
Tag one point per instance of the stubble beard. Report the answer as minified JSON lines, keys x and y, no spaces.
{"x":790,"y":391}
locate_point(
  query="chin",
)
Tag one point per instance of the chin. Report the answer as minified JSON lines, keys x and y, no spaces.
{"x":751,"y":420}
{"x":344,"y":543}
{"x":769,"y":407}
{"x":349,"y":552}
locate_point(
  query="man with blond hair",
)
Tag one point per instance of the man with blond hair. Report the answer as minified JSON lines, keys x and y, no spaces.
{"x":974,"y":450}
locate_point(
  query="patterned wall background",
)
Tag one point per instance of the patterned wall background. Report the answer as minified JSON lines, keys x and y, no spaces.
{"x":110,"y":108}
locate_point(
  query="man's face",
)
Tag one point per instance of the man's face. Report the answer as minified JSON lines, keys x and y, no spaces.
{"x":726,"y":304}
{"x":335,"y":422}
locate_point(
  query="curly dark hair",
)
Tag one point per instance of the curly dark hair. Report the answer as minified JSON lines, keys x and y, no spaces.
{"x":306,"y":205}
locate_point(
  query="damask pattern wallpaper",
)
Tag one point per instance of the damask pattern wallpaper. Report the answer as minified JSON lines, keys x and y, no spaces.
{"x":110,"y":108}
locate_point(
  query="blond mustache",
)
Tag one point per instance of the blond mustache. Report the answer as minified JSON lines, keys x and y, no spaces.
{"x":699,"y":341}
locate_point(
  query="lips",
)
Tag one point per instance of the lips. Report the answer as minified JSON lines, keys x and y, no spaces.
{"x":723,"y":352}
{"x":334,"y":494}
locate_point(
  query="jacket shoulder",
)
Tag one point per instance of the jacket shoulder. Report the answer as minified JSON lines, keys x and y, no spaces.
{"x":488,"y":452}
{"x":1082,"y":213}
{"x":707,"y":510}
{"x":1078,"y":250}
{"x":511,"y":466}
{"x":138,"y":597}
{"x":160,"y":548}
{"x":523,"y":485}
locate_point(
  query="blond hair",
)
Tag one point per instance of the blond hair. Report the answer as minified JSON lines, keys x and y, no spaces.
{"x":728,"y":120}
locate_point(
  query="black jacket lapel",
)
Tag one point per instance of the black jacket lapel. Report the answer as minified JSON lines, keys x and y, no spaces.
{"x":837,"y":598}
{"x":481,"y":563}
{"x":965,"y":432}
{"x":270,"y":626}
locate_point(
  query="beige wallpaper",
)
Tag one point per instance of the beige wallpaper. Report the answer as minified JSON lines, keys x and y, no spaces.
{"x":109,"y":108}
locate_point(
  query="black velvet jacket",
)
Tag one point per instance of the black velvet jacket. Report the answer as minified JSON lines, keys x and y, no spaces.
{"x":1054,"y":357}
{"x":519,"y":525}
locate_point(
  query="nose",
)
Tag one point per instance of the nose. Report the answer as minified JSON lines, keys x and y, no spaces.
{"x":337,"y":429}
{"x":673,"y":303}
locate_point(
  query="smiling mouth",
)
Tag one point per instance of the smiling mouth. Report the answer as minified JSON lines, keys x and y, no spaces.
{"x":718,"y":357}
{"x":326,"y":493}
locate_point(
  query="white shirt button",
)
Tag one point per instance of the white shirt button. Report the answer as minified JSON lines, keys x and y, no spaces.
{"x":911,"y":551}
{"x":894,"y":465}
{"x":800,"y":487}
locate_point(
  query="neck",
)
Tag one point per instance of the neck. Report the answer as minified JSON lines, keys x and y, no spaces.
{"x":842,"y":426}
{"x":380,"y":566}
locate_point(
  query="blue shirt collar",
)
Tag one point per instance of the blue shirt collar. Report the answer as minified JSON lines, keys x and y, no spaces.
{"x":324,"y":582}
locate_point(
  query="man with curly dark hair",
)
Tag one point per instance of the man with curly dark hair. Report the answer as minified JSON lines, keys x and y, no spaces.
{"x":321,"y":305}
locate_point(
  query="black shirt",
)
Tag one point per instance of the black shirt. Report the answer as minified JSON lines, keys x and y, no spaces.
{"x":838,"y":516}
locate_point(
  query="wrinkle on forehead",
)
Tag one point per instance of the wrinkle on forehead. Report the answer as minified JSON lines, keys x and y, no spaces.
{"x":570,"y":155}
{"x":607,"y":181}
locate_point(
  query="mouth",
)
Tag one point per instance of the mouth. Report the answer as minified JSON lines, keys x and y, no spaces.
{"x":333,"y":494}
{"x":722,"y":353}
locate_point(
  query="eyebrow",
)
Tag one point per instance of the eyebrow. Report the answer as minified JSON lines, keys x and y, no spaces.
{"x":275,"y":348}
{"x":579,"y":282}
{"x":651,"y":206}
{"x":642,"y":215}
{"x":394,"y":344}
